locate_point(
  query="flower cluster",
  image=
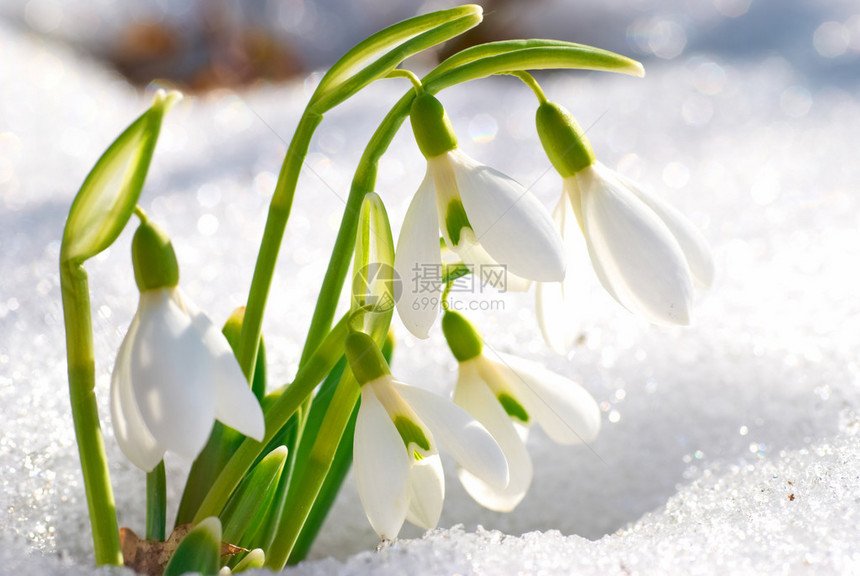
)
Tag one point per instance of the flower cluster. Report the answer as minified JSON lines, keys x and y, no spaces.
{"x":266,"y":475}
{"x":175,"y":373}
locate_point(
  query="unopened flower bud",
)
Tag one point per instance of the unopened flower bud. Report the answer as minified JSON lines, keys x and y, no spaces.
{"x":563,"y":140}
{"x":153,"y":258}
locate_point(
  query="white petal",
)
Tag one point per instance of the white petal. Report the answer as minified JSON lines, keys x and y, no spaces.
{"x":459,"y":433}
{"x":381,"y":467}
{"x":173,"y":375}
{"x":692,"y":242}
{"x":426,"y":492}
{"x":132,"y":435}
{"x":634,"y":254}
{"x":508,"y":221}
{"x":486,"y":270}
{"x":560,"y":305}
{"x":235,"y":404}
{"x":563,"y":408}
{"x":473,"y":395}
{"x":571,"y":190}
{"x":418,"y":261}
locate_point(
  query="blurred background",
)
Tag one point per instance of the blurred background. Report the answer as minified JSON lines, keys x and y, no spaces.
{"x":201,"y":44}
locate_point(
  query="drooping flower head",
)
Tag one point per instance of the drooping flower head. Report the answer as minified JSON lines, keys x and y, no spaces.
{"x":175,"y":372}
{"x":489,"y":220}
{"x":508,"y":395}
{"x":644,"y":252}
{"x":396,"y":459}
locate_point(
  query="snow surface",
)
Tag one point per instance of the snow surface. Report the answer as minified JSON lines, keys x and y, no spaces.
{"x":727,"y":447}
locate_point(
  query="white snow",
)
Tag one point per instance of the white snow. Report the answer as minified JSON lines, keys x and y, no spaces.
{"x":727,"y":447}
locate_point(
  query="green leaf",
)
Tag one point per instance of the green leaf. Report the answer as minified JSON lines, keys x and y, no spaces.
{"x":110,"y":191}
{"x":376,"y":56}
{"x":252,"y":493}
{"x":373,"y":282}
{"x":199,"y":551}
{"x":513,"y":55}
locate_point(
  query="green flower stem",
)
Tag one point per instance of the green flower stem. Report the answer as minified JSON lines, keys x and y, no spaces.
{"x":363,"y":182}
{"x":156,"y":503}
{"x":409,"y":75}
{"x":276,"y":222}
{"x":79,"y":349}
{"x":304,"y":491}
{"x":282,"y":404}
{"x":341,"y":82}
{"x":530,"y":81}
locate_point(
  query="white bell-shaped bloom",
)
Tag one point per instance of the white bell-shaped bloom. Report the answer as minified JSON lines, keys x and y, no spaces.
{"x":396,"y":461}
{"x":645,"y":253}
{"x":174,"y":375}
{"x":507,"y":395}
{"x":489,"y":220}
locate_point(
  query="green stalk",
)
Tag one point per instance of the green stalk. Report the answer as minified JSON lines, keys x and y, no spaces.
{"x":284,"y":403}
{"x":363,"y":182}
{"x":81,"y":360}
{"x":156,"y":503}
{"x":304,"y":491}
{"x":276,"y":222}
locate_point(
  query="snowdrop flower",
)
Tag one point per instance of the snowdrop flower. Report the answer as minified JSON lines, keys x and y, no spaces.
{"x":644,"y":252}
{"x":490,"y":221}
{"x":507,"y":395}
{"x":396,"y":461}
{"x":175,"y":372}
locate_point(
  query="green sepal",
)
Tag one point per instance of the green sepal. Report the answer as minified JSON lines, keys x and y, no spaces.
{"x":382,"y":52}
{"x":244,"y":503}
{"x":513,"y":408}
{"x":563,"y":139}
{"x":463,"y":338}
{"x":199,"y":551}
{"x":411,"y":433}
{"x":456,"y":220}
{"x":253,"y":559}
{"x":111,"y":190}
{"x":365,"y":358}
{"x":373,"y":283}
{"x":153,"y":257}
{"x":431,"y":126}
